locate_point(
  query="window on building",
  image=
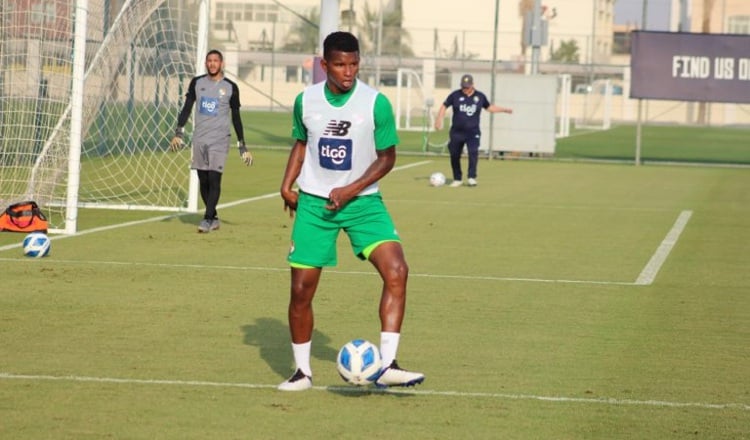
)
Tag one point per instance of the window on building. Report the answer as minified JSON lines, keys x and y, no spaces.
{"x":739,"y":24}
{"x":621,"y":43}
{"x":258,"y":12}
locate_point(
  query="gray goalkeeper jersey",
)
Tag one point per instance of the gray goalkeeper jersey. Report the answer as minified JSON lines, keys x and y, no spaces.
{"x":214,"y":103}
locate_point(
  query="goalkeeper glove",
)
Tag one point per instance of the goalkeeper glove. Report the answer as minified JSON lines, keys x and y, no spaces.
{"x":176,"y":143}
{"x":244,"y":154}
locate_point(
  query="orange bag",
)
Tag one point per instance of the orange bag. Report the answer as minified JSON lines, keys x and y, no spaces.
{"x":23,"y":217}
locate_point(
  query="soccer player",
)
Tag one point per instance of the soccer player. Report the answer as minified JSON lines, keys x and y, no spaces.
{"x":217,"y":97}
{"x":467,"y":104}
{"x":345,"y":143}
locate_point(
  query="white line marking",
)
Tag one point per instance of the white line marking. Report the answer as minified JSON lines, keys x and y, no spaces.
{"x":271,"y":269}
{"x":333,"y":271}
{"x":180,"y":214}
{"x":346,"y":389}
{"x":411,"y":165}
{"x":528,"y":205}
{"x":648,"y":274}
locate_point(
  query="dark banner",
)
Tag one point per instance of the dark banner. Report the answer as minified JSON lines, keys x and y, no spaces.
{"x":690,"y":67}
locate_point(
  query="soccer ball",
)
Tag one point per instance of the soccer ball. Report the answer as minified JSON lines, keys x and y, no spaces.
{"x":359,"y":362}
{"x":437,"y":179}
{"x":36,"y":245}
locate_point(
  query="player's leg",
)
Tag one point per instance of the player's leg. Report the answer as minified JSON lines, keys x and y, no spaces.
{"x":303,"y":286}
{"x":300,"y":315}
{"x":213,"y":193}
{"x":199,"y":161}
{"x":388,"y":259}
{"x":374,"y":238}
{"x":204,"y":186}
{"x":314,"y":246}
{"x":472,"y":149}
{"x":455,"y":148}
{"x":201,"y":164}
{"x":217,"y":158}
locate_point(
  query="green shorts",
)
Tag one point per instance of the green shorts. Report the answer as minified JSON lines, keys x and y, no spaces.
{"x":364,"y":219}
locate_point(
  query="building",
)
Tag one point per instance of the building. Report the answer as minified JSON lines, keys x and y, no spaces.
{"x":473,"y":31}
{"x":726,"y":17}
{"x":256,"y":36}
{"x":433,"y":28}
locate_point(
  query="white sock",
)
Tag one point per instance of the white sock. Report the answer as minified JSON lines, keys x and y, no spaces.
{"x":388,"y":347}
{"x":302,"y":356}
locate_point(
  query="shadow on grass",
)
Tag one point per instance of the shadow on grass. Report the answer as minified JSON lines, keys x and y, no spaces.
{"x":271,"y":336}
{"x":366,"y":391}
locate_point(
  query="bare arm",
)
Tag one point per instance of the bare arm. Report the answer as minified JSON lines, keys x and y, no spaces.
{"x":293,"y":168}
{"x":439,"y":118}
{"x":377,"y":170}
{"x":497,"y":109}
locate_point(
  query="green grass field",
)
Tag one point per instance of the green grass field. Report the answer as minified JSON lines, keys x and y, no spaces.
{"x":556,"y":300}
{"x":682,"y":144}
{"x":659,"y":144}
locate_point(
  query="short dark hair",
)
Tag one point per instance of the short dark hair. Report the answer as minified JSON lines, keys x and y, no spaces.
{"x":215,"y":52}
{"x":341,"y":41}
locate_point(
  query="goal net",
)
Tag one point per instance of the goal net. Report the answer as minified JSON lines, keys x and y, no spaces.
{"x":414,"y":97}
{"x":89,"y":95}
{"x":596,"y":110}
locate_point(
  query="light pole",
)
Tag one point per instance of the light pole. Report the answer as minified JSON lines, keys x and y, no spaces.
{"x":329,"y":22}
{"x":492,"y":79}
{"x":536,"y":36}
{"x":351,"y":14}
{"x":638,"y":127}
{"x":379,"y":46}
{"x":592,"y":47}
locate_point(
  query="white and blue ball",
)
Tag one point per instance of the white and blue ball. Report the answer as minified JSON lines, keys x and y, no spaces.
{"x":437,"y":179}
{"x":36,"y":245}
{"x":359,"y":362}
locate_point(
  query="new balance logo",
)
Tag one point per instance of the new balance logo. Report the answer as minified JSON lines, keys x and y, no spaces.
{"x":337,"y":128}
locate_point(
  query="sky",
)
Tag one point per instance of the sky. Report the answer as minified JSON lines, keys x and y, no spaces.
{"x":631,"y":12}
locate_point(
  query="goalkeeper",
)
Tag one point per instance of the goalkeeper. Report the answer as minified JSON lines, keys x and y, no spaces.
{"x":216,"y":97}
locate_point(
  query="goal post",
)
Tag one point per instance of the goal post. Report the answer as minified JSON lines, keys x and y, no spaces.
{"x":414,"y":97}
{"x":201,"y":50}
{"x":596,"y":111}
{"x":563,"y":121}
{"x":76,"y":122}
{"x":89,"y":96}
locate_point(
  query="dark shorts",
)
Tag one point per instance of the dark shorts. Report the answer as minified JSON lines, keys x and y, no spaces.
{"x":460,"y":138}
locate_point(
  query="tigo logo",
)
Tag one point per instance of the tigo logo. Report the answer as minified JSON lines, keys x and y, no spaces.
{"x":335,"y":154}
{"x":209,"y":106}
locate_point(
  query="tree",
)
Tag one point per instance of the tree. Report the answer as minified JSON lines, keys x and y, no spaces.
{"x":396,"y":40}
{"x":455,"y":53}
{"x":567,"y":52}
{"x":303,"y":36}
